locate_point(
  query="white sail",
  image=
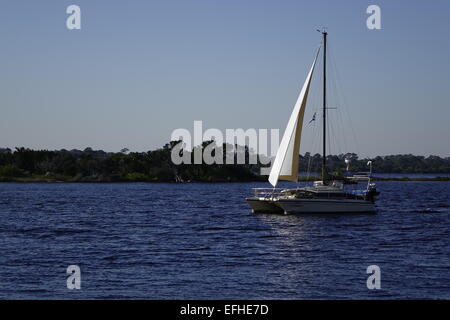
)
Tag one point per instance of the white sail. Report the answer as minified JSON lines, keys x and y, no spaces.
{"x":285,"y":166}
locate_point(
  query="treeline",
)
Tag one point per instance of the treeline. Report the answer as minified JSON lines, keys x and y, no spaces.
{"x":100,"y":166}
{"x":156,"y":166}
{"x":403,"y":163}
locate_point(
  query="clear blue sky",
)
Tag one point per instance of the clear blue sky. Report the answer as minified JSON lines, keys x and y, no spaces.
{"x":140,"y":69}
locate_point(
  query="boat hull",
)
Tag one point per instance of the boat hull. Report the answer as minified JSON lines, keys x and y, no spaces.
{"x":311,"y":206}
{"x":261,"y":205}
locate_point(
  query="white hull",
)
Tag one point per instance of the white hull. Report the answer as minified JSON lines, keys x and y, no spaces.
{"x":325,"y":206}
{"x":310,"y":206}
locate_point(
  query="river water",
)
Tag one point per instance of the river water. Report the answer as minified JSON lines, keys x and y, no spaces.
{"x":200,"y":241}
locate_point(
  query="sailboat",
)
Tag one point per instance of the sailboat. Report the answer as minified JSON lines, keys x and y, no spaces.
{"x":326,"y":196}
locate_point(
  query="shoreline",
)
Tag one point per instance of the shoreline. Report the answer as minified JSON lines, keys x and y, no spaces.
{"x":301,"y":179}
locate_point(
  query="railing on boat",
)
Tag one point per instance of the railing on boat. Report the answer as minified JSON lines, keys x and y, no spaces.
{"x":267,"y":192}
{"x":360,"y":176}
{"x":271,"y":193}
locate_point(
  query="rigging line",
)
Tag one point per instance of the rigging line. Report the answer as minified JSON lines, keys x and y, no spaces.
{"x":341,"y":131}
{"x":331,"y":133}
{"x":317,"y":134}
{"x":339,"y":122}
{"x":337,"y":126}
{"x":313,"y":101}
{"x":336,"y":102}
{"x":311,"y":95}
{"x":344,"y":136}
{"x":316,"y":144}
{"x":334,"y":139}
{"x":308,"y":168}
{"x":313,"y":148}
{"x":334,"y":145}
{"x":344,"y":105}
{"x":316,"y":165}
{"x":329,"y":136}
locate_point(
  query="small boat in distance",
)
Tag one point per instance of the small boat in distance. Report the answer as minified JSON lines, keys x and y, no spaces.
{"x":328,"y":195}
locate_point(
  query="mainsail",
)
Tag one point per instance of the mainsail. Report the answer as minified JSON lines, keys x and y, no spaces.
{"x":285,"y":166}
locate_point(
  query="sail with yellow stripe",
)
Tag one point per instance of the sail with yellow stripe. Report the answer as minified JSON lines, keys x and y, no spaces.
{"x":285,"y":166}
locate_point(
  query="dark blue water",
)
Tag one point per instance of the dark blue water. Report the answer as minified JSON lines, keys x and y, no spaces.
{"x":200,"y":241}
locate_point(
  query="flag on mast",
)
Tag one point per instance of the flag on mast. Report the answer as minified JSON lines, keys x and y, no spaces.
{"x":313,"y":118}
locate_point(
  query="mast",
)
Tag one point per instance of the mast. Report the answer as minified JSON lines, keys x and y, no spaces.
{"x":324,"y":169}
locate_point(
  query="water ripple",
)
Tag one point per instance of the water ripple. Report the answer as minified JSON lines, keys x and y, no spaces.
{"x":194,"y":241}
